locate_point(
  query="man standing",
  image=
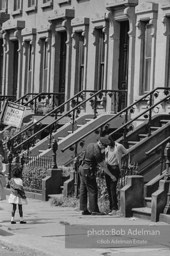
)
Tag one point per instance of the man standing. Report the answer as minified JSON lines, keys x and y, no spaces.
{"x":113,"y":155}
{"x":93,"y":159}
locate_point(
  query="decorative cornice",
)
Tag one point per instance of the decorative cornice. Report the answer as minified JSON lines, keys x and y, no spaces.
{"x":98,"y":17}
{"x":166,"y":24}
{"x":62,"y":14}
{"x":146,"y":7}
{"x":80,"y":21}
{"x":165,"y":6}
{"x":43,"y":28}
{"x":13,"y":24}
{"x":119,"y":3}
{"x":28,"y":31}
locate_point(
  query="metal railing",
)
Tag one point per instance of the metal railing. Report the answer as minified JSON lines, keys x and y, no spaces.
{"x":94,"y":100}
{"x":125,"y":111}
{"x":128,"y":168}
{"x":159,"y":148}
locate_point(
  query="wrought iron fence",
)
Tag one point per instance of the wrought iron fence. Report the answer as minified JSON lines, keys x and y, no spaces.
{"x":34,"y":170}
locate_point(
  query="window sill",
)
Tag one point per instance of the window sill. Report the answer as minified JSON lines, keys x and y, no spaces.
{"x":17,"y":12}
{"x":31,"y":9}
{"x":3,"y":10}
{"x":63,"y":1}
{"x":47,"y":5}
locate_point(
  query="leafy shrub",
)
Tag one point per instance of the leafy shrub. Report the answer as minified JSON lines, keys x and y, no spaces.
{"x":65,"y":202}
{"x":32,"y":177}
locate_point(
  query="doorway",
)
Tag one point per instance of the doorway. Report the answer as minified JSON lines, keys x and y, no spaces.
{"x":123,"y":64}
{"x":62,"y":66}
{"x":15,"y":69}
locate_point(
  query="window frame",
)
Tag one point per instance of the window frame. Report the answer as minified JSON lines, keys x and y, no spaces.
{"x":47,"y":4}
{"x":100,"y":59}
{"x":3,"y":6}
{"x":19,"y":9}
{"x":80,"y":62}
{"x":32,"y":7}
{"x":146,"y":60}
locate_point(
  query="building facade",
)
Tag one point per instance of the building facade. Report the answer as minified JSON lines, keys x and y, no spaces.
{"x":72,"y":45}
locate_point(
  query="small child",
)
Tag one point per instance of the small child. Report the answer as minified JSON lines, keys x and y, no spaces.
{"x":17,"y":195}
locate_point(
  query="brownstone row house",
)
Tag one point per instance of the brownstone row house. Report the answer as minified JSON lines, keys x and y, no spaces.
{"x":108,"y":46}
{"x":70,"y":45}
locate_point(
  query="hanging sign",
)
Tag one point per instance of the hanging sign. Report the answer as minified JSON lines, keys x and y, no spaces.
{"x":12,"y":114}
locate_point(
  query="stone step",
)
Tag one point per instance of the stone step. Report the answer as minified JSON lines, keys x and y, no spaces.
{"x":56,"y":196}
{"x":41,"y":151}
{"x":88,"y":119}
{"x":132,"y":143}
{"x":148,"y":201}
{"x":154,"y":128}
{"x":142,"y":212}
{"x":164,"y":218}
{"x":164,"y":121}
{"x":79,"y":125}
{"x":60,"y":138}
{"x":142,"y":136}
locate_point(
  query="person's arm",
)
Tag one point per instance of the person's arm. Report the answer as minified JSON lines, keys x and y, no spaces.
{"x":124,"y":150}
{"x":103,"y":166}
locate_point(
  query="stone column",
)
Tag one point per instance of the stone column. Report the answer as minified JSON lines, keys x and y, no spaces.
{"x":5,"y":63}
{"x":113,"y":58}
{"x":67,"y":25}
{"x":130,"y":12}
{"x":17,"y":34}
{"x":53,"y":54}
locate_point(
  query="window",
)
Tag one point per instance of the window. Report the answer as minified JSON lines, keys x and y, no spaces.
{"x":45,"y":55}
{"x":28,"y":67}
{"x":47,"y":4}
{"x":44,"y":64}
{"x":146,"y":56}
{"x":31,"y":3}
{"x":100,"y":57}
{"x":79,"y":63}
{"x":17,"y":5}
{"x":3,"y":4}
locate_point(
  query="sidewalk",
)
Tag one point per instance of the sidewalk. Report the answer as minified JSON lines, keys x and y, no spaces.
{"x":45,"y":230}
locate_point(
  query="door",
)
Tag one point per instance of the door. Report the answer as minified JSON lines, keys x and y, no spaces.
{"x":123,"y":64}
{"x":62,"y":66}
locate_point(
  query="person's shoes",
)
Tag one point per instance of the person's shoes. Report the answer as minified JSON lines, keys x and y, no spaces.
{"x":22,"y":222}
{"x":13,"y":222}
{"x":86,"y":212}
{"x":113,"y":212}
{"x":97,"y":213}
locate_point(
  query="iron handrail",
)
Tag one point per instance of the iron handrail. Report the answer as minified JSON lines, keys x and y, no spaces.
{"x":24,"y":96}
{"x":141,"y":114}
{"x":66,"y":114}
{"x":157,"y":146}
{"x":115,"y":116}
{"x":41,"y":94}
{"x":51,"y":112}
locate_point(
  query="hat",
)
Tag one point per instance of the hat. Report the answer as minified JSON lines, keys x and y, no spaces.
{"x":104,"y":140}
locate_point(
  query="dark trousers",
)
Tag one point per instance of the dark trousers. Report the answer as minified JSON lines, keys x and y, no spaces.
{"x":112,"y":187}
{"x":88,"y":190}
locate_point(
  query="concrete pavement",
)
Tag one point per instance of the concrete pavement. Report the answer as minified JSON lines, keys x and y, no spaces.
{"x":45,"y":231}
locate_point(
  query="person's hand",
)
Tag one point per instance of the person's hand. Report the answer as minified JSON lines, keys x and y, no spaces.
{"x":113,"y":178}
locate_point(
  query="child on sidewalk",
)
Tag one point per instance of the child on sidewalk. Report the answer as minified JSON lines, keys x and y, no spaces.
{"x":17,"y":195}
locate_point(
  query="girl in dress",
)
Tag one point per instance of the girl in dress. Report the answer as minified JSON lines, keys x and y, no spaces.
{"x":17,"y":195}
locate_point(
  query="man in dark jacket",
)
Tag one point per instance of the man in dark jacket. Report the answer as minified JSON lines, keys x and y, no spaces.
{"x":93,"y":159}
